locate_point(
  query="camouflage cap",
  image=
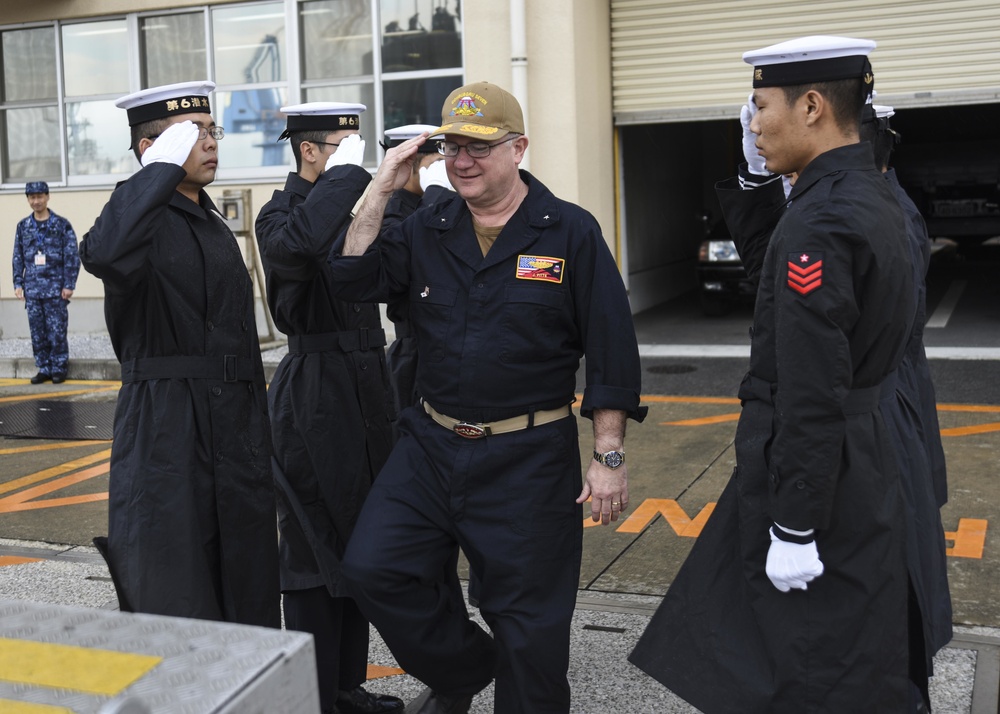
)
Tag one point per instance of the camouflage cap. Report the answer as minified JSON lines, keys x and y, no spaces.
{"x":35,"y":187}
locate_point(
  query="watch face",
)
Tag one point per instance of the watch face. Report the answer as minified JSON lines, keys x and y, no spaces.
{"x":613,"y":459}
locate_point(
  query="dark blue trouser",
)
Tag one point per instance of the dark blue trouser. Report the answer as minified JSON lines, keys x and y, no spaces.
{"x":509,"y":502}
{"x":340,"y":634}
{"x":48,"y":319}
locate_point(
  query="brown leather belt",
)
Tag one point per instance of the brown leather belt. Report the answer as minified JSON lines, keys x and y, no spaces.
{"x":472,"y":430}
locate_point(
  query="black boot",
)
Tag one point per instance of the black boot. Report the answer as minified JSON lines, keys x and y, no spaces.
{"x":360,"y":701}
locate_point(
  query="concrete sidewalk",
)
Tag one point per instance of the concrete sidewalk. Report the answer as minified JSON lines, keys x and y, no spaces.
{"x":605,"y":628}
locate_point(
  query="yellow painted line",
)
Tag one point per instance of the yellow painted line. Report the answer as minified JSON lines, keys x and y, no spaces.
{"x":970,"y":430}
{"x":8,"y":706}
{"x":81,"y":669}
{"x":718,"y":419}
{"x":52,"y":395}
{"x":50,"y":447}
{"x":23,"y":501}
{"x":376,"y":671}
{"x":16,"y":560}
{"x":54,"y":471}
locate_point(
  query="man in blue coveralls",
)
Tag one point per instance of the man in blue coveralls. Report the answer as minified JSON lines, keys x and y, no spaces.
{"x":46,"y":265}
{"x":508,"y":287}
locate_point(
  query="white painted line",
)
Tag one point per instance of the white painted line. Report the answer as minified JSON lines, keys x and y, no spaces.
{"x":947,"y":305}
{"x":694,"y":351}
{"x":741,"y":352}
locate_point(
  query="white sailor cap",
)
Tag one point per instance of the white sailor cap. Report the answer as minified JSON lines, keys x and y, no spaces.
{"x":166,"y":101}
{"x":397,"y":135}
{"x":818,"y":58}
{"x":321,"y":116}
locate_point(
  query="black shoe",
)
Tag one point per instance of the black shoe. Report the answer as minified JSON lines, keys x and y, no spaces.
{"x":430,"y":702}
{"x":58,"y":378}
{"x":39,"y":378}
{"x":360,"y":701}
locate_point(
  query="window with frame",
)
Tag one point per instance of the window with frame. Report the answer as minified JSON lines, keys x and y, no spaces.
{"x":59,"y":81}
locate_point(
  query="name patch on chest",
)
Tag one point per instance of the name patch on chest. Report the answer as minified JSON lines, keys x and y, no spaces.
{"x":805,"y":272}
{"x":540,"y":267}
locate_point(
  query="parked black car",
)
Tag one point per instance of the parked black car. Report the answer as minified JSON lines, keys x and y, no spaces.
{"x":722,"y":282}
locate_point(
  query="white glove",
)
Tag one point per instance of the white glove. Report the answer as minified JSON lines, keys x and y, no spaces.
{"x":174,"y":145}
{"x":435,"y":175}
{"x":792,"y":565}
{"x":755,"y":162}
{"x":350,"y":151}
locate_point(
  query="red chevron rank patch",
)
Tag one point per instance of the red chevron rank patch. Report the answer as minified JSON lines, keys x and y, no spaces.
{"x":805,"y":272}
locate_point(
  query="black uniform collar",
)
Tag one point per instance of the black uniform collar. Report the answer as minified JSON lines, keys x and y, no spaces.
{"x":200,"y":209}
{"x":298,"y":185}
{"x":853,"y":157}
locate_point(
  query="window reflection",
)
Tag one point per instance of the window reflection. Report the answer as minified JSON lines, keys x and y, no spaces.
{"x":249,"y":44}
{"x":172,"y":48}
{"x":416,"y":101}
{"x":253,"y":125}
{"x":95,"y":58}
{"x":97,"y":139}
{"x":32,"y":139}
{"x":420,"y":34}
{"x":336,"y":38}
{"x":29,"y":64}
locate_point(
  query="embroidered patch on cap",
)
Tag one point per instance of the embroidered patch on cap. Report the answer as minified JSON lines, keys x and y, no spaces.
{"x":805,"y":272}
{"x":539,"y":267}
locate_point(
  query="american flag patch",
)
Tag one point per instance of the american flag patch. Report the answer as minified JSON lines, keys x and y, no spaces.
{"x":805,"y":272}
{"x":540,"y":267}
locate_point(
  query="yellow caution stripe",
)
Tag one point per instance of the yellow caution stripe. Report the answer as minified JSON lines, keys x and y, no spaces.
{"x":8,"y":706}
{"x":66,"y":667}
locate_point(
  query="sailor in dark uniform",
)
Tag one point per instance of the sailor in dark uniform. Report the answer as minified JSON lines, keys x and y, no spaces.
{"x":794,"y":598}
{"x":191,"y":507}
{"x":331,"y":409}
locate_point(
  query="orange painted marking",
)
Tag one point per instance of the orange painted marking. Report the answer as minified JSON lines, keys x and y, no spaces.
{"x":54,"y":471}
{"x":48,"y":447}
{"x":970,"y":538}
{"x":22,"y":501}
{"x":376,"y":671}
{"x":971,"y":408}
{"x":52,"y":395}
{"x":16,"y":560}
{"x":703,"y":421}
{"x":970,"y":430}
{"x":660,"y":399}
{"x":671,"y":511}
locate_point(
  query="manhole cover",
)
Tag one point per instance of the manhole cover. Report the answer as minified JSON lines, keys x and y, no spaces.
{"x":671,"y":369}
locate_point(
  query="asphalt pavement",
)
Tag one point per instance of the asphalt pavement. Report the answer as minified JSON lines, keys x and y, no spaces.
{"x":53,"y":501}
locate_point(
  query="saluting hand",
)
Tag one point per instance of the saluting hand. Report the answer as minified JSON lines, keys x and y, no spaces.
{"x":173,"y":145}
{"x":350,"y":151}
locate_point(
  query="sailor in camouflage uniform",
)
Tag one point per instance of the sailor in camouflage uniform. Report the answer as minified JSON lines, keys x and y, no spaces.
{"x":46,"y":264}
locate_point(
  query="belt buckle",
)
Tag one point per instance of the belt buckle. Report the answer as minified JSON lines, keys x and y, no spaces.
{"x":470,"y":430}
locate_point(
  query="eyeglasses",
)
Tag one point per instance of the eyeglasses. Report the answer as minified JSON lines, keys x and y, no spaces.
{"x":216,"y":132}
{"x":476,"y":150}
{"x":324,"y":143}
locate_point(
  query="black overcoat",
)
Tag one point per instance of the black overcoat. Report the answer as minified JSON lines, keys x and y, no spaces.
{"x":191,"y":508}
{"x":909,"y":407}
{"x":833,"y":313}
{"x":331,"y":408}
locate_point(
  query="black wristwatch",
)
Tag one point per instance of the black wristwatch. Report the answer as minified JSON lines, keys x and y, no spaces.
{"x":611,"y":459}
